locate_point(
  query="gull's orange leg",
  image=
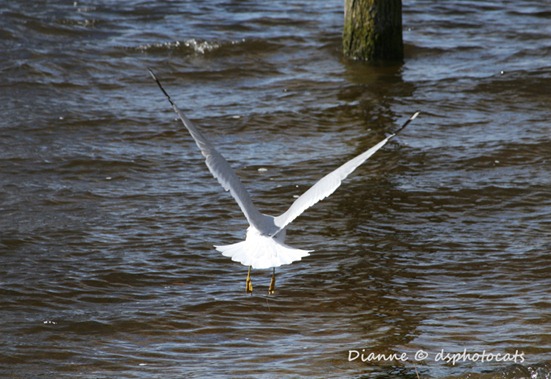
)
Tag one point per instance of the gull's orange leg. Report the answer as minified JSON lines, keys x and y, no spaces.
{"x":248,"y":282}
{"x":271,"y":289}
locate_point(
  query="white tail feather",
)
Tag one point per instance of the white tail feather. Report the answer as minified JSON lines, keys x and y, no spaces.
{"x":261,"y":251}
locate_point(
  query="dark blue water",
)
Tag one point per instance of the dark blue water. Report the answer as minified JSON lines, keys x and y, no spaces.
{"x":439,"y":244}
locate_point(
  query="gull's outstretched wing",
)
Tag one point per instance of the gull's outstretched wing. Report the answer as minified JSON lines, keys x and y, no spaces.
{"x":330,"y":182}
{"x":221,"y":169}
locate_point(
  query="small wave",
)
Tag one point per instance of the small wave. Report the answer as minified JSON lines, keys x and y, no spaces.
{"x":193,"y":45}
{"x":84,"y":23}
{"x":516,"y":371}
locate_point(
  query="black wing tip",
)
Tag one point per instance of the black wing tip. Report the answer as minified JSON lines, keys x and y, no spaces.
{"x":410,"y":119}
{"x":160,"y":85}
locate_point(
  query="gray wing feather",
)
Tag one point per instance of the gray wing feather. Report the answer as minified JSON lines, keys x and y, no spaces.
{"x":325,"y":186}
{"x":220,"y":169}
{"x":330,"y":182}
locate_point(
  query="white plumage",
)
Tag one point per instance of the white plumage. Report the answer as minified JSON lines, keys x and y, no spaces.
{"x":264,"y":245}
{"x":261,"y":251}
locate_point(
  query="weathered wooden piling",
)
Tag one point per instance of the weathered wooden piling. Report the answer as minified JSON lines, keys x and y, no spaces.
{"x":373,"y":30}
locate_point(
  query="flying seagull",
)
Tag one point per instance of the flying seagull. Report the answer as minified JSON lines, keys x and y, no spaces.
{"x":264,"y":245}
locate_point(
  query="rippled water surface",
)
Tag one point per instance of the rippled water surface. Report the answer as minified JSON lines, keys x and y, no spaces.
{"x":440,"y":242}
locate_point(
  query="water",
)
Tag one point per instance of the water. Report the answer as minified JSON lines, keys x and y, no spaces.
{"x":439,"y":243}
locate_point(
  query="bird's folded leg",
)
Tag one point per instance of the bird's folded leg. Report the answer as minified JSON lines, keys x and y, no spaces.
{"x":271,"y":289}
{"x":248,"y":282}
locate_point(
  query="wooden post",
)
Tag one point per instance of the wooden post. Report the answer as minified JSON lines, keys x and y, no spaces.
{"x":373,"y":30}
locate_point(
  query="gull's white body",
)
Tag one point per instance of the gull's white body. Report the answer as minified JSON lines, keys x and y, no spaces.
{"x":262,"y":251}
{"x":264,"y":245}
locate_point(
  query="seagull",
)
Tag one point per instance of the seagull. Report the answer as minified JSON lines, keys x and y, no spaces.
{"x":264,"y":246}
